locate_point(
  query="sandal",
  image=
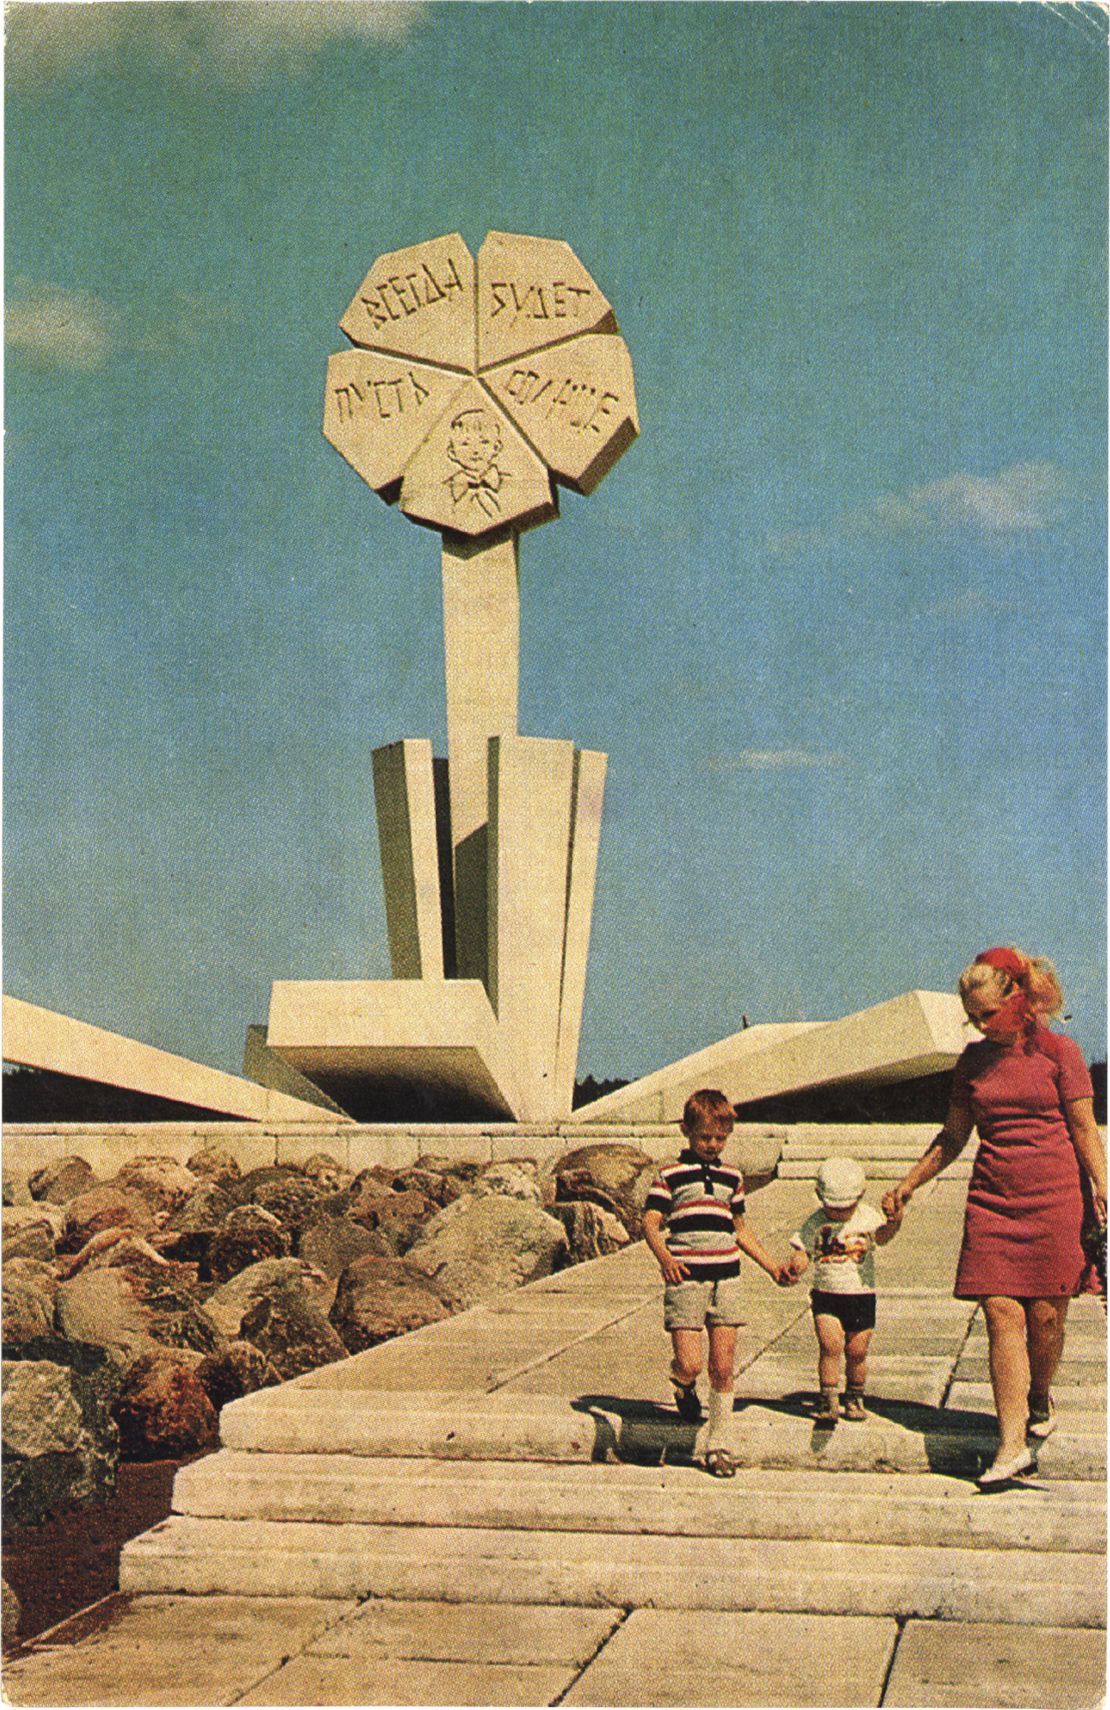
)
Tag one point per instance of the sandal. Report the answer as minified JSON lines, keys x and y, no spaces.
{"x":687,"y":1403}
{"x":720,"y":1464}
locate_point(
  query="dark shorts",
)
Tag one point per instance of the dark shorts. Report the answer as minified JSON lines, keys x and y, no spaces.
{"x":855,"y":1311}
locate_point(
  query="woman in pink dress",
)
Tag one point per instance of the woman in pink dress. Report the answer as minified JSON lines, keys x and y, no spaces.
{"x":1028,"y":1092}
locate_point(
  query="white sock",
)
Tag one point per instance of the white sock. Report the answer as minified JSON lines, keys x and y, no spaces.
{"x":719,"y":1435}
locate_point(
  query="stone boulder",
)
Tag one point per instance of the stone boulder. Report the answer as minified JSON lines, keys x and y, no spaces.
{"x":60,"y":1445}
{"x":226,"y":1305}
{"x":106,"y":1207}
{"x":238,"y":1368}
{"x":294,"y":1200}
{"x":36,"y":1271}
{"x":288,"y":1327}
{"x":477,"y":1247}
{"x":163,"y":1410}
{"x":28,"y":1312}
{"x":612,"y":1174}
{"x":214,"y":1164}
{"x":329,"y":1175}
{"x":162,"y":1182}
{"x":115,"y":1247}
{"x":379,"y":1298}
{"x":399,"y":1217}
{"x":16,"y":1191}
{"x":246,"y":1190}
{"x":32,"y":1231}
{"x":591,"y":1232}
{"x":247,"y":1235}
{"x":515,"y":1177}
{"x":441,"y":1180}
{"x":12,"y":1616}
{"x":61,"y":1180}
{"x":332,"y":1243}
{"x":125,"y":1310}
{"x":187,"y":1234}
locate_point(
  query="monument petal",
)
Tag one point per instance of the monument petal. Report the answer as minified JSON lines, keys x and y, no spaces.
{"x":378,"y":409}
{"x":475,"y":472}
{"x":418,"y":302}
{"x":533,"y":292}
{"x":575,"y":403}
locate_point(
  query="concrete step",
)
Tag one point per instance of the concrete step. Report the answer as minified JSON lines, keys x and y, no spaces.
{"x":879,"y":1143}
{"x":523,"y":1427}
{"x":898,"y":1508}
{"x":286,"y":1558}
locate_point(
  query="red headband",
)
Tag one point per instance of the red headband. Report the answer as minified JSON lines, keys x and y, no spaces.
{"x":1006,"y":961}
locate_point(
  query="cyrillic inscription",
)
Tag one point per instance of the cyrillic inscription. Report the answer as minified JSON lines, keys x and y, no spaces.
{"x":580,"y":406}
{"x":404,"y":294}
{"x":557,"y":301}
{"x":385,"y":399}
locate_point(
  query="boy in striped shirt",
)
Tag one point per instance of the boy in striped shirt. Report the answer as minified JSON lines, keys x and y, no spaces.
{"x":701,"y":1201}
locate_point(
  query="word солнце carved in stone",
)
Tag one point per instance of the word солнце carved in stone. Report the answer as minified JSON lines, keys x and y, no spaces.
{"x":411,"y":291}
{"x":387,"y":395}
{"x":586,"y":406}
{"x":532,"y":305}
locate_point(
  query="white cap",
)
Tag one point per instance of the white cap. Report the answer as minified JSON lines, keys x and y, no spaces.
{"x":840,"y":1183}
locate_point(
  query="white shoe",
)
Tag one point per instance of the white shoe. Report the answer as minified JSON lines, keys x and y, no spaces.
{"x":1042,"y":1425}
{"x":1001,"y":1472}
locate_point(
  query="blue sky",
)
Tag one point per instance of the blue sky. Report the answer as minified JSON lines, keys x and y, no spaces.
{"x":838,"y":617}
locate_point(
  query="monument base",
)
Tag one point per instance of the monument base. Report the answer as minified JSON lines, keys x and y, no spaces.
{"x":396,"y":1049}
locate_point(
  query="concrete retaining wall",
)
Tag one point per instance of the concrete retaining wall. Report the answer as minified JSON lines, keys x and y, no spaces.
{"x":106,"y":1146}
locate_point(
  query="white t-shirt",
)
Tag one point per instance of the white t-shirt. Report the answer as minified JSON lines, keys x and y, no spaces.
{"x":843,"y":1252}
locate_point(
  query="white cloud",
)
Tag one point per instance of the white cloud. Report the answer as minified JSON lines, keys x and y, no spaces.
{"x":57,"y":328}
{"x":766,"y":759}
{"x":1018,"y":500}
{"x":235,"y":41}
{"x":54,"y":327}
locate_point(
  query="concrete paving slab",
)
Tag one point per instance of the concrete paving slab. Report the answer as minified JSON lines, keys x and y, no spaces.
{"x":502,"y":1633}
{"x":750,"y":1659}
{"x":378,"y":1680}
{"x":1080,"y":1404}
{"x":1087,"y":1374}
{"x":1049,"y":1668}
{"x":896,"y":1378}
{"x":166,"y":1650}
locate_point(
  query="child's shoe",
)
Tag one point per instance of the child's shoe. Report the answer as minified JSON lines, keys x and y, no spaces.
{"x":687,"y":1403}
{"x":828,"y":1408}
{"x":853,"y":1404}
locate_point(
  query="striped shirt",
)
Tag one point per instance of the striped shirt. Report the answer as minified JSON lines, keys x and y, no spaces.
{"x":698,"y":1203}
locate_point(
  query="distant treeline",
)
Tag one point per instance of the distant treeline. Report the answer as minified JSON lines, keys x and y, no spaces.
{"x":38,"y":1095}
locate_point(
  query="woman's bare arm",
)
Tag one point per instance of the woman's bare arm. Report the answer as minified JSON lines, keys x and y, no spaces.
{"x":1085,"y":1137}
{"x":948,"y":1144}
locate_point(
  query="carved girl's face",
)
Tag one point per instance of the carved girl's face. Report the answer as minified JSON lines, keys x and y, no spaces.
{"x":475,"y":440}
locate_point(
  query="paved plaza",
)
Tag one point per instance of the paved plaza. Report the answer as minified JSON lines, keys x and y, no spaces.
{"x":504,"y":1509}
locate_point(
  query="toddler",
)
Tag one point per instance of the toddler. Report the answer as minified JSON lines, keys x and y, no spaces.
{"x":840,"y":1239}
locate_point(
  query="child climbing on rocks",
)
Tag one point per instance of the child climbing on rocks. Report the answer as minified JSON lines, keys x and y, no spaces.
{"x":840,"y":1238}
{"x":701,"y":1201}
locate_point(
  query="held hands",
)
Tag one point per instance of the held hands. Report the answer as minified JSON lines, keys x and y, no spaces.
{"x":894,"y":1203}
{"x":787,"y":1276}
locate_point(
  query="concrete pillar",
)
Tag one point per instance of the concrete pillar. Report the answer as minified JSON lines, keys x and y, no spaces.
{"x":531,"y":787}
{"x":404,"y":792}
{"x":481,"y":634}
{"x":588,"y":799}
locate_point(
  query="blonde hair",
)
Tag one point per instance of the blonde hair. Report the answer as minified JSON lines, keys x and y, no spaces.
{"x":1040,"y":983}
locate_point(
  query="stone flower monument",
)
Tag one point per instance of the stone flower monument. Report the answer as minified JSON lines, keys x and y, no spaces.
{"x":473,"y":388}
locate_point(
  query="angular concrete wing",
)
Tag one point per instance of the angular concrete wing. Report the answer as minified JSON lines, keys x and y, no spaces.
{"x":920,"y":1033}
{"x":44,"y":1039}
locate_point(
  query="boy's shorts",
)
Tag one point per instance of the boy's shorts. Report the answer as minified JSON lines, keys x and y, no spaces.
{"x":694,"y":1305}
{"x":855,"y":1311}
